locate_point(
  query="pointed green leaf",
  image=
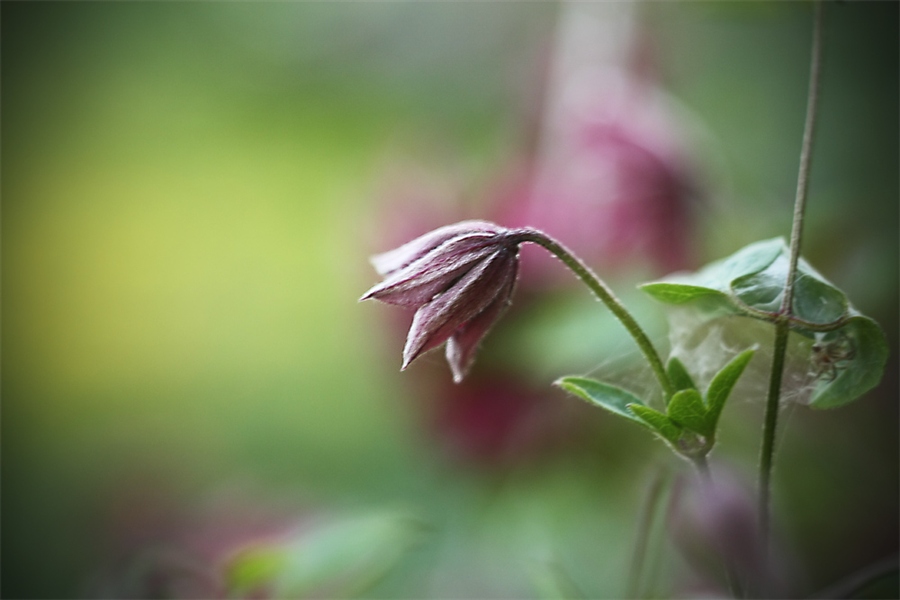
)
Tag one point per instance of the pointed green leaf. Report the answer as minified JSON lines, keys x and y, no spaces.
{"x":710,"y":287}
{"x":686,"y":408}
{"x":721,"y":385}
{"x":716,"y":276}
{"x":678,"y":293}
{"x":612,"y":398}
{"x":754,"y":276}
{"x":657,"y":421}
{"x":678,"y":375}
{"x":706,"y":301}
{"x":856,"y":374}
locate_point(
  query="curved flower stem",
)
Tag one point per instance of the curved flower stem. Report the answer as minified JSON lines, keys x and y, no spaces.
{"x":782,"y":323}
{"x":606,"y":295}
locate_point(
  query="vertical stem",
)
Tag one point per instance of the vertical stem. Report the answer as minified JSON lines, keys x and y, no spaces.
{"x":606,"y":295}
{"x":782,"y":325}
{"x":732,"y":576}
{"x":649,"y":508}
{"x":809,"y":132}
{"x":770,"y":425}
{"x":702,"y":467}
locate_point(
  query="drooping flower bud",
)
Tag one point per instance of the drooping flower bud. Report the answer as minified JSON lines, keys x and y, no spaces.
{"x":459,"y":278}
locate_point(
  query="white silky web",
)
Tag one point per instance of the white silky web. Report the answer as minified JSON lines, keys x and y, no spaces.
{"x":706,"y":344}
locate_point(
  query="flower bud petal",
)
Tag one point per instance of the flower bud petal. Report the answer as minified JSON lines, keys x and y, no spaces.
{"x":461,"y":346}
{"x":459,"y":279}
{"x":437,"y":320}
{"x":387,"y":263}
{"x":419,"y":282}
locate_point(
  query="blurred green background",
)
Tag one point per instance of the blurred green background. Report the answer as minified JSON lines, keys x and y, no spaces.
{"x":190,"y":194}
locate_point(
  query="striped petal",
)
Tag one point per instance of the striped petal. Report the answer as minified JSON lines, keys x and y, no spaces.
{"x":462,"y":345}
{"x":417,"y":283}
{"x":394,"y":260}
{"x":437,"y":320}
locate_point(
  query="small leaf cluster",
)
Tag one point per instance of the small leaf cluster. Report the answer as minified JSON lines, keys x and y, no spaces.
{"x":691,"y":417}
{"x":850,"y":349}
{"x":847,"y":357}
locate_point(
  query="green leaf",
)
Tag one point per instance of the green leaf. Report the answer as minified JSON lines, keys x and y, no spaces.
{"x":339,"y":558}
{"x":716,"y":277}
{"x":754,"y":276}
{"x":678,"y":375}
{"x":612,"y":398}
{"x":750,"y":259}
{"x":858,"y":374}
{"x":815,"y":299}
{"x":658,"y":422}
{"x":678,"y":293}
{"x":686,"y":408}
{"x":709,"y":289}
{"x":721,"y":385}
{"x":762,"y":290}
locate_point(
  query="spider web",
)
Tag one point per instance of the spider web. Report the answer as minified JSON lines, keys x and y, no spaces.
{"x":706,"y":344}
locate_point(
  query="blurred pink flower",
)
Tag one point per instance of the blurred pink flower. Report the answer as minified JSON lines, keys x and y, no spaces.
{"x":493,"y":419}
{"x":611,"y":180}
{"x":714,"y":523}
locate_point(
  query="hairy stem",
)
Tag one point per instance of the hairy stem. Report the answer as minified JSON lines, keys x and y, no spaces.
{"x":782,"y":324}
{"x":770,"y":425}
{"x":606,"y":295}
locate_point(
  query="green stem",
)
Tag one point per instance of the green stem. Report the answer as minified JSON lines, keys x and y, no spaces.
{"x":732,"y":577}
{"x":767,"y":452}
{"x":606,"y":295}
{"x":773,"y":317}
{"x":702,"y":467}
{"x":782,"y":324}
{"x":652,"y":498}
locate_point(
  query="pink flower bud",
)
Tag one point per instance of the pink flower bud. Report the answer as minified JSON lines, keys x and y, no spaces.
{"x":459,"y":278}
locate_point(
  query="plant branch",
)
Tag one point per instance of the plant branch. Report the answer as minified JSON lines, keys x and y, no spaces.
{"x":652,"y":497}
{"x":772,"y":317}
{"x":732,"y":576}
{"x":782,"y":323}
{"x":606,"y":295}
